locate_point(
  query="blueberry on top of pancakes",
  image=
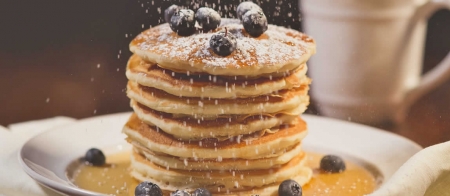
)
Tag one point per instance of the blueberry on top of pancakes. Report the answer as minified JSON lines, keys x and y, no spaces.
{"x":244,"y":7}
{"x":223,"y":43}
{"x":255,"y":22}
{"x":207,"y":18}
{"x":95,"y":157}
{"x":168,"y":13}
{"x":332,"y":164}
{"x":201,"y":192}
{"x":289,"y":188}
{"x":183,"y":22}
{"x":147,"y":189}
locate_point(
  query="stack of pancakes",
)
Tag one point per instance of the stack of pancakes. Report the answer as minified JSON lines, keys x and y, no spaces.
{"x":230,"y":124}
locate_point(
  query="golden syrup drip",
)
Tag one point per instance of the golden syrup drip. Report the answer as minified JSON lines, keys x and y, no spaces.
{"x":355,"y":180}
{"x":114,"y":178}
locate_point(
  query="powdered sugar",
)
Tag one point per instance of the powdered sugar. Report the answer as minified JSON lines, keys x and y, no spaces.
{"x":277,"y":45}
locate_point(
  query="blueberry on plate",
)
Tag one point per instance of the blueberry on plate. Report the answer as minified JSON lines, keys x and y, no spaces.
{"x":332,"y":164}
{"x":180,"y":193}
{"x":244,"y":7}
{"x":255,"y":22}
{"x":168,"y":13}
{"x":223,"y":43}
{"x":183,"y":22}
{"x":147,"y":189}
{"x":207,"y":18}
{"x":201,"y":192}
{"x":95,"y":157}
{"x":289,"y":188}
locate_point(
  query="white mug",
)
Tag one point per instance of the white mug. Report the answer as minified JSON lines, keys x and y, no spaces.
{"x":369,"y":56}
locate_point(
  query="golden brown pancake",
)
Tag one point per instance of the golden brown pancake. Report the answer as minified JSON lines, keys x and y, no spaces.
{"x":173,"y":162}
{"x":278,"y":50}
{"x":222,"y":127}
{"x":209,"y":86}
{"x":231,"y":180}
{"x":253,"y":146}
{"x":267,"y":190}
{"x":159,"y":100}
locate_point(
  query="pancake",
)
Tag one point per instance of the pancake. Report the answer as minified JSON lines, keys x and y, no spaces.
{"x":204,"y":85}
{"x":172,"y":162}
{"x":224,"y":127}
{"x":278,"y":50}
{"x":267,"y":190}
{"x":253,"y":146}
{"x":164,"y":102}
{"x":231,"y":180}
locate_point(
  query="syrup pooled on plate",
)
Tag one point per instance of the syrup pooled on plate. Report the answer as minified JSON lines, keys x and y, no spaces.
{"x":114,"y":178}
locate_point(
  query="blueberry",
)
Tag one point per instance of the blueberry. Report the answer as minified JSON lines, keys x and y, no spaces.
{"x":289,"y":188}
{"x":332,"y":164}
{"x":180,"y":193}
{"x":201,"y":192}
{"x":147,"y":189}
{"x":207,"y":18}
{"x":168,"y":13}
{"x":95,"y":157}
{"x":246,"y":6}
{"x":255,"y":22}
{"x":223,"y":43}
{"x":183,"y":22}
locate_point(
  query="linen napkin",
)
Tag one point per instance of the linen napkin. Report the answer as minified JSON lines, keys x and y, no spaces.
{"x":426,"y":173}
{"x":13,"y":180}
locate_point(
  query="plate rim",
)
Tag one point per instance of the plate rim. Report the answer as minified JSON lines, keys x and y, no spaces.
{"x":40,"y":179}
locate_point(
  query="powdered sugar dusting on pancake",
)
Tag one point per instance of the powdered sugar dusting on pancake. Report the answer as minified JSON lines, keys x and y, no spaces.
{"x":277,"y":46}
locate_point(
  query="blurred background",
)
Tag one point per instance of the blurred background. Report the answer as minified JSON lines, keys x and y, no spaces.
{"x":68,"y":58}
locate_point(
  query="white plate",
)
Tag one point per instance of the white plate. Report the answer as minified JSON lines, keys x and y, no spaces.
{"x":46,"y":156}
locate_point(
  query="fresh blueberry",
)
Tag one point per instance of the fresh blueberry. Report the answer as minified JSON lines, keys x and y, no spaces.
{"x":207,"y":18}
{"x":246,"y":6}
{"x":147,"y":189}
{"x":201,"y":192}
{"x":255,"y":22}
{"x":183,"y":22}
{"x":332,"y":164}
{"x":289,"y":188}
{"x":95,"y":157}
{"x":180,"y":193}
{"x":223,"y":43}
{"x":168,"y":13}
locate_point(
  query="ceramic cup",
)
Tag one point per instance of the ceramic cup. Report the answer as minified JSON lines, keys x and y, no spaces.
{"x":369,"y":56}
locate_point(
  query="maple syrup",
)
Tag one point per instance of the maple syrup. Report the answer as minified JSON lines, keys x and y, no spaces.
{"x":114,"y":178}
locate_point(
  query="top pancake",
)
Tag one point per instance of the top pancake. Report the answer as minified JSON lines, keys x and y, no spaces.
{"x":277,"y":50}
